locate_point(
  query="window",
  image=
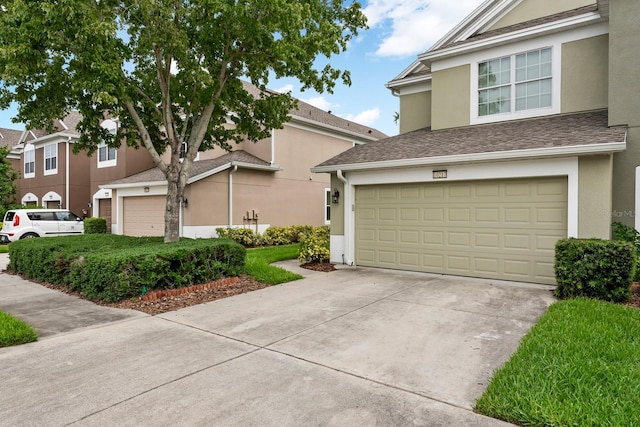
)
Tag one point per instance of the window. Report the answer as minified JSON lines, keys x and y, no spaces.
{"x":515,"y":83}
{"x":183,"y":150}
{"x":50,"y":159}
{"x":327,"y":205}
{"x":29,"y":162}
{"x":106,"y":155}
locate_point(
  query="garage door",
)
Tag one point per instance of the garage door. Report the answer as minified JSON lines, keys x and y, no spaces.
{"x":504,"y":229}
{"x":144,"y":216}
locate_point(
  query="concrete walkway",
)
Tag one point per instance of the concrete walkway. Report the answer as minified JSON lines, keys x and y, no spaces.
{"x":353,"y":347}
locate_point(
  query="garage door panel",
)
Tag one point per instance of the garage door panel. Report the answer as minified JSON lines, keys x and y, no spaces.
{"x":144,"y":215}
{"x":498,"y":229}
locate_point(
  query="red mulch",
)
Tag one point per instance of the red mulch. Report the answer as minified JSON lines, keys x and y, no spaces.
{"x":319,"y":266}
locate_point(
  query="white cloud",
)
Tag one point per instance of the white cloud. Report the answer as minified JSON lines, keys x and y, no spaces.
{"x":284,"y":89}
{"x":319,"y":102}
{"x":412,"y":26}
{"x":367,"y":117}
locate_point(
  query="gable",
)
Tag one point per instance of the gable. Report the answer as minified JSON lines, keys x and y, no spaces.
{"x":527,"y":10}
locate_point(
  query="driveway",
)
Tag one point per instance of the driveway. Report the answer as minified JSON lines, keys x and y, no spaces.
{"x":355,"y":346}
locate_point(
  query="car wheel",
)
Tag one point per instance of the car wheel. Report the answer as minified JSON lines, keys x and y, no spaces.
{"x":29,"y":236}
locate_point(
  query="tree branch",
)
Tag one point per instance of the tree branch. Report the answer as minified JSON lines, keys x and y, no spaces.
{"x":146,"y":139}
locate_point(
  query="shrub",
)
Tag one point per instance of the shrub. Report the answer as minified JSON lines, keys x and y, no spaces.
{"x":112,"y":268}
{"x":95,"y":225}
{"x":628,"y":234}
{"x":245,"y":236}
{"x":314,"y":245}
{"x":278,"y":235}
{"x":594,"y":268}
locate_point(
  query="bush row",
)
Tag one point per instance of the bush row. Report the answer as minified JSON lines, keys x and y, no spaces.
{"x":272,"y":236}
{"x":112,"y":268}
{"x":95,"y":225}
{"x":594,"y":268}
{"x":314,"y":241}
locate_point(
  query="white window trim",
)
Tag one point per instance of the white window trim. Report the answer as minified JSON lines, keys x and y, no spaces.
{"x":29,"y":149}
{"x":53,"y":171}
{"x":327,"y":196}
{"x":107,"y":163}
{"x":556,"y":87}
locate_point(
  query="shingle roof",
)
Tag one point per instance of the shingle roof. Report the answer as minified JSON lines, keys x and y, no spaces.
{"x":524,"y":25}
{"x":9,"y":137}
{"x":551,"y":131}
{"x":309,"y":112}
{"x":198,"y":168}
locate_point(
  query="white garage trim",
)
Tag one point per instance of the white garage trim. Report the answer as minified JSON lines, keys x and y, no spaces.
{"x":29,"y":197}
{"x":103,"y":193}
{"x":499,"y":170}
{"x":157,"y":190}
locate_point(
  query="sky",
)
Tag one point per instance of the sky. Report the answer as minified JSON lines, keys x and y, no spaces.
{"x":398,"y":31}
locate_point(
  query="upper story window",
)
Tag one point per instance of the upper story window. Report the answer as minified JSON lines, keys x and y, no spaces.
{"x":29,"y":161}
{"x":184,"y":147}
{"x":106,"y":155}
{"x":515,"y":83}
{"x":51,"y":159}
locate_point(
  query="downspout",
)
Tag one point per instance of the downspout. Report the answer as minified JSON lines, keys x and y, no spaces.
{"x":66,"y":196}
{"x":347,"y":218}
{"x":273,"y":146}
{"x":235,"y":168}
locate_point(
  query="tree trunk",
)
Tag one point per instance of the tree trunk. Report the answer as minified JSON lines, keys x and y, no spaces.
{"x":172,"y":212}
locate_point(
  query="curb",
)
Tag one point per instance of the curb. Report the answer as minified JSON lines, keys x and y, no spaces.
{"x":152,"y":296}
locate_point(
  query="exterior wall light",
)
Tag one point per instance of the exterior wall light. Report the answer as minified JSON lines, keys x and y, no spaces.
{"x":335,"y":197}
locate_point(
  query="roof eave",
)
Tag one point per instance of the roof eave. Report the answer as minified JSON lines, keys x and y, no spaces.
{"x":549,"y":27}
{"x":575,"y":150}
{"x":309,"y":122}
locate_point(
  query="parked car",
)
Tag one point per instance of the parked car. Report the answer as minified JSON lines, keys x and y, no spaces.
{"x":26,"y":223}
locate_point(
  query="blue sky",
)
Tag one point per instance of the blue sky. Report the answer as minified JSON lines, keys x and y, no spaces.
{"x":399,"y":30}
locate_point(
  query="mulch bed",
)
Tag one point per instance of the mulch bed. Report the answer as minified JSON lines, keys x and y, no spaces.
{"x":164,"y":301}
{"x":174,"y":299}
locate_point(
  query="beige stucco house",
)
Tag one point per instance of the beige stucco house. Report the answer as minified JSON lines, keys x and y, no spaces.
{"x":518,"y":128}
{"x":255,"y":186}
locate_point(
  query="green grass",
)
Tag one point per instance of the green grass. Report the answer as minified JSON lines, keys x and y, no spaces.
{"x":14,"y":331}
{"x":258,"y":260}
{"x":578,"y":366}
{"x":4,"y":249}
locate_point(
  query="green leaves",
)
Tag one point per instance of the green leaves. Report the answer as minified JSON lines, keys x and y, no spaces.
{"x":170,"y":71}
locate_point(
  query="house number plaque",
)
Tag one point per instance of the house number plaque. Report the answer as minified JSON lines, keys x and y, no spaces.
{"x":441,"y":174}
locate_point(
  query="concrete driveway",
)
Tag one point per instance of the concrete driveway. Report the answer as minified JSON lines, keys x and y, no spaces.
{"x":356,"y":346}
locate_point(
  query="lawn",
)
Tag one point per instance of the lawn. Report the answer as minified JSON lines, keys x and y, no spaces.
{"x":14,"y":331}
{"x":4,"y":249}
{"x":578,"y":366}
{"x":258,"y":260}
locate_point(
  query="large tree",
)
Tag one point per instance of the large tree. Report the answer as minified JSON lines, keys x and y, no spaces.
{"x":8,"y":178}
{"x":171,"y":71}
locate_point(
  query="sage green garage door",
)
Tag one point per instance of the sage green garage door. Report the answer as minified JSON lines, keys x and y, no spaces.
{"x":503,"y":229}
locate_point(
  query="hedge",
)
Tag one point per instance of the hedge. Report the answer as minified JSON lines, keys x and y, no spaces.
{"x":112,"y":268}
{"x":594,"y":268}
{"x":96,"y":225}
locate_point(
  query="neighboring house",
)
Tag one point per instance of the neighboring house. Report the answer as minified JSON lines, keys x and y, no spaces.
{"x":53,"y":176}
{"x":518,"y":128}
{"x":255,"y":186}
{"x":9,"y":138}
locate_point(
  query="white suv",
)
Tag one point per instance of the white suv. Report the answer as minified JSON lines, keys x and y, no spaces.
{"x":26,"y":223}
